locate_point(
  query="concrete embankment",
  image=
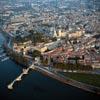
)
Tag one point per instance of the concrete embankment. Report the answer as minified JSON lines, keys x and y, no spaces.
{"x":69,"y":81}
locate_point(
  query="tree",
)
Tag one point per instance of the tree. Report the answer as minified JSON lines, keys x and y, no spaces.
{"x":54,"y":39}
{"x":36,"y":53}
{"x":36,"y":36}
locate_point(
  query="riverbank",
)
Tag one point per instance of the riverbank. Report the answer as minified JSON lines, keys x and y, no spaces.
{"x":68,"y":80}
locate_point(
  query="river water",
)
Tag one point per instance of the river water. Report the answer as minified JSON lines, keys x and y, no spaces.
{"x":36,"y":86}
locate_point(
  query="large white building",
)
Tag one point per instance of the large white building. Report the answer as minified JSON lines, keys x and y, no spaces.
{"x":57,"y":32}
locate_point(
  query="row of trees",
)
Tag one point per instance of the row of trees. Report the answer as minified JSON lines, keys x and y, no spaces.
{"x":70,"y":66}
{"x":34,"y":36}
{"x":18,"y":58}
{"x":67,"y":66}
{"x":36,"y":53}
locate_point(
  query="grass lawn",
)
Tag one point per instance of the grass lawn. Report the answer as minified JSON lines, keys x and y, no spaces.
{"x":85,"y":78}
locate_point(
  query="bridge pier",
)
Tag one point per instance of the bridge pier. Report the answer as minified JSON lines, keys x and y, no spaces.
{"x":19,"y":78}
{"x":10,"y":86}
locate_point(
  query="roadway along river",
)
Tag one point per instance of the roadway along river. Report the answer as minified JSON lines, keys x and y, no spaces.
{"x":36,"y":86}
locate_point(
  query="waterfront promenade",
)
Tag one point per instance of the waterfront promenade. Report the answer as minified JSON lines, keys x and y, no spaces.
{"x":59,"y":77}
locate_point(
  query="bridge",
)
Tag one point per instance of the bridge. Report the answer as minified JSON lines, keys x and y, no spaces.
{"x":19,"y":78}
{"x":25,"y":71}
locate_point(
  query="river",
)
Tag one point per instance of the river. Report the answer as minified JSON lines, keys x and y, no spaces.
{"x":36,"y":86}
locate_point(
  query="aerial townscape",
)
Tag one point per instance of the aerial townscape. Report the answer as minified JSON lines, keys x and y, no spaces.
{"x":49,"y":49}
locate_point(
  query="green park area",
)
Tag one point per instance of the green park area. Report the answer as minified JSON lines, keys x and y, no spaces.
{"x":91,"y":79}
